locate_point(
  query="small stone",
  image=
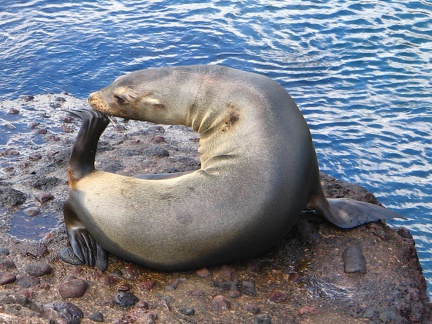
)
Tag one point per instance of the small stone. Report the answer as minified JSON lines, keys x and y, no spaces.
{"x":38,"y":269}
{"x":166,"y":301}
{"x":6,"y":278}
{"x":68,"y":311}
{"x":44,"y":197}
{"x":35,"y":250}
{"x":254,"y":309}
{"x":185,"y":310}
{"x":109,"y":280}
{"x":123,"y":287}
{"x":308,"y":310}
{"x":227,"y":285}
{"x":196,"y":293}
{"x":354,"y":260}
{"x":173,"y":285}
{"x":293,"y":276}
{"x":31,"y":211}
{"x":73,"y":288}
{"x":14,"y":111}
{"x":234,"y":293}
{"x":66,"y":255}
{"x":42,"y":131}
{"x":277,"y":296}
{"x":6,"y":264}
{"x":125,"y":299}
{"x":262,"y":319}
{"x":248,"y":288}
{"x":4,"y":251}
{"x":33,"y":125}
{"x":158,"y":139}
{"x":97,"y":317}
{"x":219,"y":303}
{"x":35,"y":157}
{"x":27,"y":98}
{"x":25,"y":281}
{"x":142,"y":304}
{"x":147,"y":285}
{"x":203,"y":273}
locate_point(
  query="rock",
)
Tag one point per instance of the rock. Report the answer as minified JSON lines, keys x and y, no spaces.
{"x":354,"y":260}
{"x":31,"y":211}
{"x":4,"y":251}
{"x":173,"y":285}
{"x":262,"y":319}
{"x":44,"y":197}
{"x":277,"y":296}
{"x":248,"y":288}
{"x":73,"y":288}
{"x":185,"y":310}
{"x":203,"y":273}
{"x":125,"y":299}
{"x":7,"y":277}
{"x":26,"y":281}
{"x":97,"y":317}
{"x":66,"y":255}
{"x":11,"y":197}
{"x":252,"y":308}
{"x":38,"y":269}
{"x":6,"y":264}
{"x":70,"y":312}
{"x":36,"y":250}
{"x":219,"y":303}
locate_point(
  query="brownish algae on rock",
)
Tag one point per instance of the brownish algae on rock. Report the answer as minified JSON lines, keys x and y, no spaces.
{"x":318,"y":274}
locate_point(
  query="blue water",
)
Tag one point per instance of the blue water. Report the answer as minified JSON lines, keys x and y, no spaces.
{"x":360,"y":71}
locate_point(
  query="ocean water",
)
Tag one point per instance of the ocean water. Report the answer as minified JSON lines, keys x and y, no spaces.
{"x":360,"y":71}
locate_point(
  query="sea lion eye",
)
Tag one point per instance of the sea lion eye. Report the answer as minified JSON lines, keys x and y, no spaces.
{"x":119,"y":100}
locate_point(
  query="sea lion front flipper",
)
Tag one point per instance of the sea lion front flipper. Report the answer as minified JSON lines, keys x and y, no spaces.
{"x":83,"y":245}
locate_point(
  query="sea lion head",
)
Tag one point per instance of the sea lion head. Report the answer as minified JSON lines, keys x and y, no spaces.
{"x":160,"y":95}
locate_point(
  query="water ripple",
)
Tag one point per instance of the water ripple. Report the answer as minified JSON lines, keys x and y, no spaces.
{"x":360,"y":71}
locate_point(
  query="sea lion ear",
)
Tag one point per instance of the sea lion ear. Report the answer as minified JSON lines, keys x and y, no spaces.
{"x":153,"y":100}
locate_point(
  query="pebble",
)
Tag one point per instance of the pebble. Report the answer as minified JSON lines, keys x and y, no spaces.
{"x":44,"y":197}
{"x":33,"y":125}
{"x":147,"y":285}
{"x":35,"y":156}
{"x":26,"y":281}
{"x":234,"y":293}
{"x":109,"y":280}
{"x":174,"y":284}
{"x":73,"y":288}
{"x":203,"y":273}
{"x":97,"y":317}
{"x":4,"y":251}
{"x":277,"y":296}
{"x":36,"y":250}
{"x":38,"y":269}
{"x":6,"y":278}
{"x":166,"y":301}
{"x":125,"y":299}
{"x":31,"y":211}
{"x":252,"y":308}
{"x":354,"y":260}
{"x":14,"y":111}
{"x":66,"y":255}
{"x":219,"y":303}
{"x":185,"y":310}
{"x":42,"y":131}
{"x":262,"y":319}
{"x":308,"y":310}
{"x":70,"y":312}
{"x":227,"y":285}
{"x":6,"y":264}
{"x":248,"y":288}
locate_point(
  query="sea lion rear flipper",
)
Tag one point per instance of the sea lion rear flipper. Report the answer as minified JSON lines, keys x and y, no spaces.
{"x":83,"y":245}
{"x":349,"y":213}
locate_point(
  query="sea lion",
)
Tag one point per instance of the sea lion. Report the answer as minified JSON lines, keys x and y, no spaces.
{"x":258,"y":172}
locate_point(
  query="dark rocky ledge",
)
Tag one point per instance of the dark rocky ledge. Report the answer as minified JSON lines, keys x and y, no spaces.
{"x":319,"y":274}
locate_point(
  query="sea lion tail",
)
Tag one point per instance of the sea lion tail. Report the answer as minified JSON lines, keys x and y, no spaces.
{"x":349,"y":213}
{"x":83,"y":154}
